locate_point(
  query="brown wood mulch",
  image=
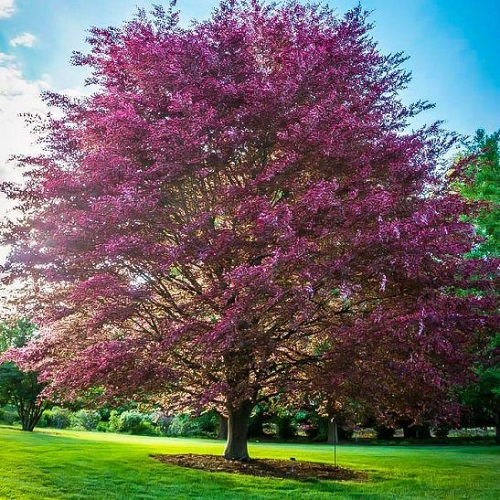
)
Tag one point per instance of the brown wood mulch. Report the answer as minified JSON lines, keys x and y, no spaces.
{"x":285,"y":469}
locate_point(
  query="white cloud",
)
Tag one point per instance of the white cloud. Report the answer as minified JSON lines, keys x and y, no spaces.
{"x":6,"y":8}
{"x":17,"y":95}
{"x":23,"y":40}
{"x":5,"y":57}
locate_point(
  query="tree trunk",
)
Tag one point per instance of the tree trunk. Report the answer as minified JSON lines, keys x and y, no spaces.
{"x":385,"y":433}
{"x":409,"y":432}
{"x":31,"y":417}
{"x":237,"y":427}
{"x":29,"y":413}
{"x":423,"y":432}
{"x":256,"y":428}
{"x":222,"y":429}
{"x":442,"y":431}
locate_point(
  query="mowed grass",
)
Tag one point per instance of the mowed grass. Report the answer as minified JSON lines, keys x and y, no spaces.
{"x":66,"y":464}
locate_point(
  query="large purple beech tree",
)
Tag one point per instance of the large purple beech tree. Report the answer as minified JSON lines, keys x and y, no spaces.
{"x":238,"y":212}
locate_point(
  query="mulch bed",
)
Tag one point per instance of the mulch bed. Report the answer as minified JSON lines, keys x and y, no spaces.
{"x":285,"y":469}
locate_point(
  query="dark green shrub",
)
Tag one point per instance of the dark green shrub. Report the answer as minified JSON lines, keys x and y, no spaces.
{"x":102,"y":427}
{"x":208,"y":423}
{"x":309,"y":423}
{"x":132,"y":422}
{"x":286,"y":426}
{"x":260,"y":418}
{"x":442,"y":431}
{"x":180,"y":425}
{"x":114,"y":421}
{"x":162,"y":423}
{"x":85,"y":419}
{"x":186,"y":426}
{"x":385,"y":433}
{"x":59,"y":418}
{"x":105,"y":413}
{"x":8,"y":415}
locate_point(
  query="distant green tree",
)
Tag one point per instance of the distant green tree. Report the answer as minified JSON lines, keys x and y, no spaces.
{"x":16,"y":334}
{"x":18,"y":387}
{"x":483,"y":172}
{"x":483,"y":398}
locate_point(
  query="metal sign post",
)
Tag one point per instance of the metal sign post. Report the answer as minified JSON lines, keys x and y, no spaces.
{"x":335,"y":441}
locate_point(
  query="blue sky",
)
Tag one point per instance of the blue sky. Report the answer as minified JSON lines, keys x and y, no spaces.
{"x":453,"y":45}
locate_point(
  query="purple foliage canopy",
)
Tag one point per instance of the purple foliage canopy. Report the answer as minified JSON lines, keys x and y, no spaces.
{"x":240,"y":211}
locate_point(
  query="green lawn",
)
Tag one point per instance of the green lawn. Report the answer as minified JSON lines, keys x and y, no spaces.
{"x":65,"y":464}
